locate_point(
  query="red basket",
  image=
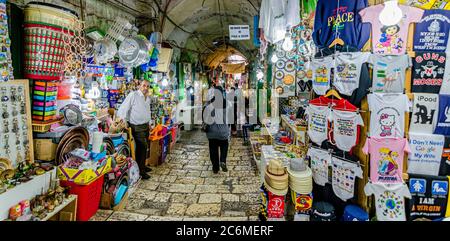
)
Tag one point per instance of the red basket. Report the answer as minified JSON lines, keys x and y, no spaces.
{"x":44,"y":52}
{"x":88,"y":197}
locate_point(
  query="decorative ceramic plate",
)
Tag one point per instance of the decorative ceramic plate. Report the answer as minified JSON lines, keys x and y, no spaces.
{"x":281,"y":64}
{"x":288,"y":80}
{"x":280,"y":54}
{"x":280,"y":90}
{"x":301,"y":74}
{"x":290,"y":66}
{"x":279,"y":75}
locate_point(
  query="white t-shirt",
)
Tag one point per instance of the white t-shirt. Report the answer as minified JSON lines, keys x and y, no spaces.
{"x":348,"y":71}
{"x":389,"y":200}
{"x":425,"y":113}
{"x":389,"y":73}
{"x":320,"y":161}
{"x":321,"y":74}
{"x":388,"y":114}
{"x":344,"y":177}
{"x":318,"y":123}
{"x":426,"y":153}
{"x":345,"y":128}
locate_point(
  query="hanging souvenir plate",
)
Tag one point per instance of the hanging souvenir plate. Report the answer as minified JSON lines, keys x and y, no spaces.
{"x":279,"y":75}
{"x":301,"y":74}
{"x":129,"y":51}
{"x":288,"y":80}
{"x":290,"y":66}
{"x":280,"y":64}
{"x":280,"y":54}
{"x":280,"y":90}
{"x":292,"y":88}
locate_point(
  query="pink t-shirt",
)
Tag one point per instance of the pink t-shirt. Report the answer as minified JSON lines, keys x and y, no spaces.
{"x":386,"y":159}
{"x":390,"y":40}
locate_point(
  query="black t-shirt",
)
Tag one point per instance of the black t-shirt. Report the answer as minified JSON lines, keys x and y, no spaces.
{"x":444,"y":170}
{"x":429,"y":196}
{"x":428,"y":73}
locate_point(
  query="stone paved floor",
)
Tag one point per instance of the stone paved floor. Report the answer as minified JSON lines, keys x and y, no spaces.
{"x":185,"y":188}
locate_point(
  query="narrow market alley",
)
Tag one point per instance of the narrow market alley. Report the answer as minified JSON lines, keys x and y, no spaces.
{"x":185,"y":188}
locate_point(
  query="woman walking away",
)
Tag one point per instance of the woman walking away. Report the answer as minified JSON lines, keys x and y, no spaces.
{"x":217,"y":129}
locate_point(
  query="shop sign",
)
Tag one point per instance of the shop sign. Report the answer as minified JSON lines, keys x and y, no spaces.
{"x":239,"y":32}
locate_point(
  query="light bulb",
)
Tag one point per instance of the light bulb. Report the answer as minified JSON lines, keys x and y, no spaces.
{"x":191,"y":91}
{"x":274,"y":58}
{"x":288,"y":44}
{"x":165,"y":82}
{"x":260,"y":74}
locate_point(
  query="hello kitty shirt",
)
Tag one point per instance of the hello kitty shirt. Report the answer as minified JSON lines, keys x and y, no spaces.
{"x":390,"y":40}
{"x":387,"y":119}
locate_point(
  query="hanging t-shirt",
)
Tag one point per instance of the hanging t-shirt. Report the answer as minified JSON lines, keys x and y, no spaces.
{"x":390,"y":40}
{"x":425,"y":114}
{"x":348,"y":71}
{"x":443,"y":123}
{"x":389,"y":200}
{"x":320,"y":161}
{"x":321,"y":74}
{"x":426,"y":153}
{"x":445,"y":88}
{"x":318,"y":123}
{"x":428,"y":74}
{"x":388,"y":115}
{"x":340,"y":19}
{"x":428,"y":4}
{"x":431,"y":33}
{"x":345,"y":128}
{"x":386,"y":159}
{"x":389,"y":73}
{"x":429,"y":196}
{"x":444,"y":170}
{"x":344,"y":177}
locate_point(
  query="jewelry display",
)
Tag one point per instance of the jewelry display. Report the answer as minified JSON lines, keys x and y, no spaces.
{"x":15,"y":123}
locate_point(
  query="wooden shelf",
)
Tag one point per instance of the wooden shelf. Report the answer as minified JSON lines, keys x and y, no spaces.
{"x":67,"y":211}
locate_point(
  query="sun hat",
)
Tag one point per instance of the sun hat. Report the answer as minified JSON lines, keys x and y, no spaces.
{"x":276,"y":179}
{"x":300,"y":176}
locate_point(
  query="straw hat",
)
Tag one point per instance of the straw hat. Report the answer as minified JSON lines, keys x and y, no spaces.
{"x":300,"y":177}
{"x":276,"y":179}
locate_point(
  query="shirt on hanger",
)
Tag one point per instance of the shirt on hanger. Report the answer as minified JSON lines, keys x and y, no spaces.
{"x":389,"y":200}
{"x":387,"y":117}
{"x":317,"y":123}
{"x":345,"y":128}
{"x":320,"y":161}
{"x":445,"y":88}
{"x":390,"y":40}
{"x":344,"y":177}
{"x":428,"y":74}
{"x":348,"y":71}
{"x":425,"y":113}
{"x":431,"y":33}
{"x":429,"y":196}
{"x":426,"y":153}
{"x":386,"y":159}
{"x":444,"y":170}
{"x":443,"y":123}
{"x":389,"y":73}
{"x":335,"y":19}
{"x":321,"y":68}
{"x":424,"y":4}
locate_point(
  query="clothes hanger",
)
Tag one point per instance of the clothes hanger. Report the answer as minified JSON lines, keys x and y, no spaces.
{"x":337,"y":41}
{"x":333,"y":93}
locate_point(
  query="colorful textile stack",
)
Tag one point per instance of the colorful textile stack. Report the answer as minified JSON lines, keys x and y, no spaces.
{"x":44,"y":101}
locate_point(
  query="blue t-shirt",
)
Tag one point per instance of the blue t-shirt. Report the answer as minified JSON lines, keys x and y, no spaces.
{"x":443,"y":125}
{"x":432,"y":32}
{"x":343,"y":21}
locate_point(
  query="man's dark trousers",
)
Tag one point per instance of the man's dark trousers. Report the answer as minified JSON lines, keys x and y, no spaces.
{"x":141,"y":134}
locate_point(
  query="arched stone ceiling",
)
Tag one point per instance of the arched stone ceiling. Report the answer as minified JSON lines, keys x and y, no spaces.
{"x":202,"y":19}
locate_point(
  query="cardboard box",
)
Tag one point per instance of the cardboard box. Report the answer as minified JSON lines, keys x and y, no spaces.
{"x":45,"y":149}
{"x":155,"y":154}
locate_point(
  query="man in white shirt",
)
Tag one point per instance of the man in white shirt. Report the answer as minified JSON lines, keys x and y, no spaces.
{"x":135,"y":111}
